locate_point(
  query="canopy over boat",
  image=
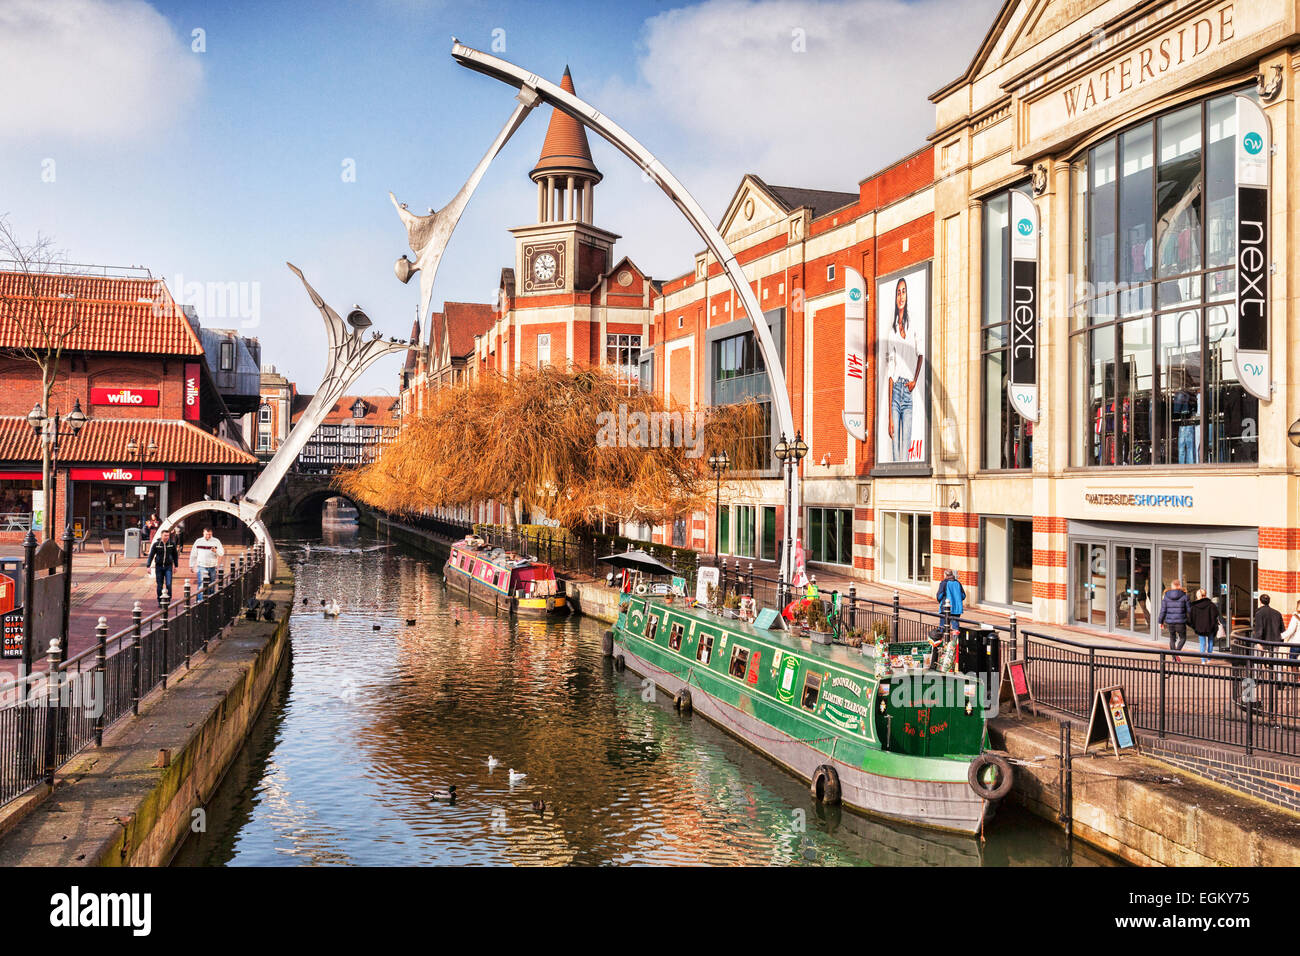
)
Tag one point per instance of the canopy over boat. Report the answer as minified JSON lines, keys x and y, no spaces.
{"x":638,"y":560}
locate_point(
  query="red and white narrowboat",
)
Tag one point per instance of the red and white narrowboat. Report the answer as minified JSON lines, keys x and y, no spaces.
{"x":504,"y":579}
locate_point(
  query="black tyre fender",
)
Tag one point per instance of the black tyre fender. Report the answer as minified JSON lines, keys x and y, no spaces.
{"x":619,"y":662}
{"x":975,"y":776}
{"x":683,"y":701}
{"x":825,"y":786}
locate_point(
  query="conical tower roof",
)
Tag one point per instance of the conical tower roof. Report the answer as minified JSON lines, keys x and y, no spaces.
{"x":565,"y":149}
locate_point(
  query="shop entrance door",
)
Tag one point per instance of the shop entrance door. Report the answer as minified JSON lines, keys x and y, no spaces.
{"x":1091,"y":585}
{"x":1133,"y":612}
{"x":1179,"y":565}
{"x":116,"y":507}
{"x":1234,"y":587}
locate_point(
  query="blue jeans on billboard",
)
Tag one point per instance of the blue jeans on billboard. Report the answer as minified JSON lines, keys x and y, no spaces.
{"x":163,"y":576}
{"x":202,"y":577}
{"x":900,"y":416}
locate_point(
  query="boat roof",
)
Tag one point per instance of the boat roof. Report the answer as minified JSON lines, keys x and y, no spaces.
{"x":499,"y":557}
{"x":849,"y":658}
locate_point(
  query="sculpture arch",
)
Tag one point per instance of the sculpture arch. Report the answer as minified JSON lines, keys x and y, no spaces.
{"x":255,"y":524}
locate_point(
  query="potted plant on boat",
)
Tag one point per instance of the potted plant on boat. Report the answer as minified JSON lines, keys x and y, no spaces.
{"x":731,"y":605}
{"x":817,"y":625}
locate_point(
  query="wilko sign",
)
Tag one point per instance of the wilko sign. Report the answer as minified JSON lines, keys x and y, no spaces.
{"x":191,"y":391}
{"x":1022,"y":386}
{"x":1252,"y":161}
{"x":130,"y":397}
{"x":128,"y":475}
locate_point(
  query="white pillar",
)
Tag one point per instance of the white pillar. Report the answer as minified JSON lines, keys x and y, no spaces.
{"x":589,"y":205}
{"x":541,"y":201}
{"x":568,"y":192}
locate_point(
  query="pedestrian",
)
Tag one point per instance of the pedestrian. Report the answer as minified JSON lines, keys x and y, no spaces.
{"x":151,"y":526}
{"x":1292,"y":633}
{"x":1173,"y":614}
{"x":205,"y":557}
{"x":1268,"y":622}
{"x":164,"y":558}
{"x":1203,"y":616}
{"x":952,"y":593}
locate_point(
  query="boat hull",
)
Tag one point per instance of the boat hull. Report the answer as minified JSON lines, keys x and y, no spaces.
{"x":523,"y":607}
{"x":945,"y":804}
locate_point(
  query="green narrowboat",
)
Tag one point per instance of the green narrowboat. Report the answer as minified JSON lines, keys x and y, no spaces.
{"x":894,"y":738}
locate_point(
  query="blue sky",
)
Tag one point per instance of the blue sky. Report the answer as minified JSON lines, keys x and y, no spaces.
{"x":212,"y":166}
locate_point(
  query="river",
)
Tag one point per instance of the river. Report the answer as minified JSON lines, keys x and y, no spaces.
{"x":372,"y":714}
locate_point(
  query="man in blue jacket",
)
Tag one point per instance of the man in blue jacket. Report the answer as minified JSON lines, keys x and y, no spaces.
{"x":950,"y":590}
{"x":1174,"y":608}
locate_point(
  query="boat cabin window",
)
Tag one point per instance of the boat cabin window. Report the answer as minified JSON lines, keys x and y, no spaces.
{"x":705,"y":651}
{"x":651,"y":627}
{"x":812,"y":687}
{"x":675,"y":637}
{"x":739,"y":661}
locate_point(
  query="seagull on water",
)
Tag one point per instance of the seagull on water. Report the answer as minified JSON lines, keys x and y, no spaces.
{"x":516,"y":776}
{"x":493,"y":763}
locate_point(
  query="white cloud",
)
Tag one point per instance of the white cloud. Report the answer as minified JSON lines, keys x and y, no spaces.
{"x":722,"y":89}
{"x":91,"y":69}
{"x":816,"y":94}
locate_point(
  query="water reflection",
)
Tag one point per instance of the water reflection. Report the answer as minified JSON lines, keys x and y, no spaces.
{"x":369,"y":722}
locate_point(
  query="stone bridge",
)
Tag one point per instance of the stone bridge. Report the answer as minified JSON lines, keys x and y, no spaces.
{"x":300,"y":498}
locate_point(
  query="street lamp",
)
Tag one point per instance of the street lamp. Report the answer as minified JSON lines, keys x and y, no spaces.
{"x":790,"y":453}
{"x":49,"y":432}
{"x":719,"y":463}
{"x":133,"y":450}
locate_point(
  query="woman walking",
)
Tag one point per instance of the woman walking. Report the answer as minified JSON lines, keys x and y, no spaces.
{"x":1203,"y":616}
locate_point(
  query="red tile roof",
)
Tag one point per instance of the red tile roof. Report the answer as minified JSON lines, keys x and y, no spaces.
{"x":380,"y":410}
{"x":464,"y":321}
{"x":566,"y":145}
{"x":105,"y":440}
{"x":104,"y":314}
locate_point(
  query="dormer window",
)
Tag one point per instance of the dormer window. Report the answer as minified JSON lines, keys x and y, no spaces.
{"x":227,"y":356}
{"x":358,"y":409}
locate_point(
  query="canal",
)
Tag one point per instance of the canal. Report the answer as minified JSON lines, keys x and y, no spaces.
{"x":374,"y":713}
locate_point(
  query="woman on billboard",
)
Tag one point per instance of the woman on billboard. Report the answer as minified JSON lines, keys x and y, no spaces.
{"x":903,"y":367}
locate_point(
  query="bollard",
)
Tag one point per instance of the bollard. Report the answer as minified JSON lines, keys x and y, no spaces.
{"x":895,"y":615}
{"x":1014,"y":636}
{"x":751,"y":578}
{"x":101,"y":674}
{"x":136,"y":614}
{"x":53,"y":679}
{"x":946,"y":617}
{"x":780,"y":590}
{"x":222,"y":614}
{"x":853,"y":605}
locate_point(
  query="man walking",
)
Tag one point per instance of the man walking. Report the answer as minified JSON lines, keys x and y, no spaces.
{"x":1268,"y":622}
{"x":1173,"y":614}
{"x":205,"y":557}
{"x":951,"y":591}
{"x":164,"y":558}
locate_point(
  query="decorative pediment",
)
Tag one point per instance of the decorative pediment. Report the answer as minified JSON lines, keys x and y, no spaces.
{"x":751,"y":208}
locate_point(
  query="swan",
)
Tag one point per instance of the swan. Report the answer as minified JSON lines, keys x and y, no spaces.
{"x":332,"y":609}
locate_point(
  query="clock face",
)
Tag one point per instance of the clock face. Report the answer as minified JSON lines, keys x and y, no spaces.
{"x":544,"y":267}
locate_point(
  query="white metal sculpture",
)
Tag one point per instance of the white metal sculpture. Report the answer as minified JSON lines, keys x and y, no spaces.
{"x":531,"y":87}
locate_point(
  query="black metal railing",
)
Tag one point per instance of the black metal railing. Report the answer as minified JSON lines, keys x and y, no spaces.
{"x":53,"y":714}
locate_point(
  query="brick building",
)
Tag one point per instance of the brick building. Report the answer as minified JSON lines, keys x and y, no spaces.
{"x":352,"y":433}
{"x":158,"y":433}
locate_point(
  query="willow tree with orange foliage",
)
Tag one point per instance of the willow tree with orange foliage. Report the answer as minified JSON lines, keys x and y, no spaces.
{"x":570,"y":444}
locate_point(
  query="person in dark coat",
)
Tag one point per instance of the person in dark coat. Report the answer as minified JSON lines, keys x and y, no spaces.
{"x":1268,"y":622}
{"x":164,"y":558}
{"x":1173,"y":614}
{"x":1203,"y":616}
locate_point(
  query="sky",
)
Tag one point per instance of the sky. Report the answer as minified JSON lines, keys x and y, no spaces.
{"x":213,"y":142}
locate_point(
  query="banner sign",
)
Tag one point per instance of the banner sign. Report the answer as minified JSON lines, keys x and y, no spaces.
{"x":1253,"y":153}
{"x":902,"y":378}
{"x":13,"y":634}
{"x":191,"y":391}
{"x":127,"y":475}
{"x":855,"y":354}
{"x":1022,"y":386}
{"x":131,"y":397}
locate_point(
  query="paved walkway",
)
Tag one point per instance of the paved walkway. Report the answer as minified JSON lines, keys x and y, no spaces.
{"x":100,"y":589}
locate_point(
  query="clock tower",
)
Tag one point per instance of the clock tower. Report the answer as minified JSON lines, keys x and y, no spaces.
{"x":563,"y":252}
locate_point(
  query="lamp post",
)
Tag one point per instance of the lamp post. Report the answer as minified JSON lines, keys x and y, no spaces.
{"x":790,"y":453}
{"x":49,"y":431}
{"x":719,"y":463}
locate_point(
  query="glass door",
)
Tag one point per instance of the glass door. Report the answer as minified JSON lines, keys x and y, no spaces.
{"x":1182,"y":566}
{"x":1091,"y":584}
{"x":1234,"y":588}
{"x":1133,"y":589}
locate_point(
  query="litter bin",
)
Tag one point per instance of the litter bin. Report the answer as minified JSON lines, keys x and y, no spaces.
{"x":131,"y":545}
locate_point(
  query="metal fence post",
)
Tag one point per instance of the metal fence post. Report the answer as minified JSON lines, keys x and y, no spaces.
{"x":166,"y":630}
{"x":29,"y":585}
{"x":1015,"y":636}
{"x":751,"y":578}
{"x":1092,"y":677}
{"x":52,"y":710}
{"x":101,"y":675}
{"x":1160,"y":718}
{"x":853,"y":606}
{"x":895,"y":615}
{"x":136,"y":614}
{"x":67,"y":587}
{"x":223,"y":600}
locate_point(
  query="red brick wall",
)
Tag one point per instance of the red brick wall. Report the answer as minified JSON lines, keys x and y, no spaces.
{"x":828,"y":435}
{"x":22,"y":385}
